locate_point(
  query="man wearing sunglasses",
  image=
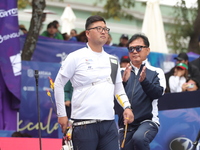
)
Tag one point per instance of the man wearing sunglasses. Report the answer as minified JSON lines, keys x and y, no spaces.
{"x":144,"y":84}
{"x":90,"y":71}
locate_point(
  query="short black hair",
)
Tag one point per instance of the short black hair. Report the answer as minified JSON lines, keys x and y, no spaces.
{"x":51,"y":24}
{"x":139,"y":35}
{"x":74,"y":30}
{"x":55,"y":21}
{"x":93,"y":19}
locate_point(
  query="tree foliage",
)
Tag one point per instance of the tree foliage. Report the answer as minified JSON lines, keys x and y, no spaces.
{"x":116,"y":9}
{"x":22,"y":3}
{"x":194,"y":37}
{"x":184,"y":34}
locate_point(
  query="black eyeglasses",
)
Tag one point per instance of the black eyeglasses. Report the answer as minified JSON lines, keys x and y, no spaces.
{"x":100,"y":29}
{"x":137,"y":48}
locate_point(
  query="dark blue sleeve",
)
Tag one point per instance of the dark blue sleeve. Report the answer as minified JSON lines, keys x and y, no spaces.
{"x":152,"y":89}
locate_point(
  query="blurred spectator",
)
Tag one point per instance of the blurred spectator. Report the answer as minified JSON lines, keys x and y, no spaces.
{"x":23,"y":29}
{"x":179,"y":78}
{"x":44,"y":15}
{"x":109,"y":41}
{"x":57,"y":24}
{"x":66,"y":37}
{"x":19,"y":134}
{"x":190,"y":85}
{"x":26,"y":135}
{"x":73,"y":32}
{"x":68,"y":96}
{"x":123,"y":40}
{"x":81,"y":37}
{"x":124,"y":61}
{"x":196,"y":63}
{"x":52,"y":32}
{"x":193,"y":71}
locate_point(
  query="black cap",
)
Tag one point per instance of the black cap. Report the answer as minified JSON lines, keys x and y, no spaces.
{"x":182,"y":56}
{"x":124,"y":36}
{"x":125,"y":59}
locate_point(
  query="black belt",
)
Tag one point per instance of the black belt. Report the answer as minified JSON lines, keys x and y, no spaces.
{"x":84,"y":122}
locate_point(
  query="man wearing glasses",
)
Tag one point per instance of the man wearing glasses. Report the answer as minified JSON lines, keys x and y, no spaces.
{"x":90,"y":71}
{"x":144,"y":84}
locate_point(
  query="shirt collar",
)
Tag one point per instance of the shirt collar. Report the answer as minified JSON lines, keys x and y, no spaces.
{"x":135,"y":69}
{"x":143,"y":63}
{"x":94,"y":51}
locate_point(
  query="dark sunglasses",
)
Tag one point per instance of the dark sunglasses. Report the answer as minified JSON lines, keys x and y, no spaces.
{"x":137,"y":48}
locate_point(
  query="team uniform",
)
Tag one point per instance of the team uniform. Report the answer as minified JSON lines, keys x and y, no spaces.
{"x":90,"y":73}
{"x":143,"y":97}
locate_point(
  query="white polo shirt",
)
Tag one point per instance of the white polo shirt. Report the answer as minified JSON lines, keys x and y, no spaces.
{"x":93,"y":94}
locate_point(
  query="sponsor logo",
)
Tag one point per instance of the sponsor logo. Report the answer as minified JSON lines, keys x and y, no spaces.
{"x":90,"y":68}
{"x":181,"y":143}
{"x":42,"y":74}
{"x":30,"y":73}
{"x":9,"y":36}
{"x":62,"y":56}
{"x":88,"y":60}
{"x":29,"y":88}
{"x":10,"y":12}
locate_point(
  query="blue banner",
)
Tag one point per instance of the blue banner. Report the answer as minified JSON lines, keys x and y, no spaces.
{"x":28,"y":118}
{"x":57,"y":51}
{"x":179,"y":129}
{"x":10,"y":64}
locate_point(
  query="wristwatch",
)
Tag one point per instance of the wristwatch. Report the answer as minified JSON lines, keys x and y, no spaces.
{"x":128,"y":107}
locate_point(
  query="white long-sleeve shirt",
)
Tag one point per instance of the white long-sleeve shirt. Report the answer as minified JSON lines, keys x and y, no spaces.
{"x":93,"y":94}
{"x":175,"y":83}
